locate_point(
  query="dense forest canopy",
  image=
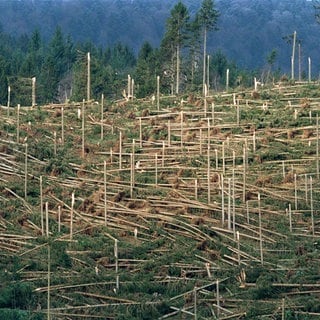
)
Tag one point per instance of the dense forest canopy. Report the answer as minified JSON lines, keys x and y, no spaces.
{"x":249,"y":30}
{"x":49,"y":40}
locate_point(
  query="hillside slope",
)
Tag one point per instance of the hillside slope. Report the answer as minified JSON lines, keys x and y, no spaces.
{"x":139,"y":210}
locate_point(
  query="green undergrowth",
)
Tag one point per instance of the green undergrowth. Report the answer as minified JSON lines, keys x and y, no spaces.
{"x":147,"y":248}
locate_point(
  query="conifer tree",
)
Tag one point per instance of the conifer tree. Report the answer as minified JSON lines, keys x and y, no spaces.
{"x":194,"y":49}
{"x":208,"y":17}
{"x":176,"y":36}
{"x":57,"y":63}
{"x":54,"y":66}
{"x":31,"y":65}
{"x":146,"y":70}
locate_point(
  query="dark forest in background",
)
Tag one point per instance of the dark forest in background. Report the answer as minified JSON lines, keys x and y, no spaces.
{"x":50,"y":39}
{"x":248,"y":30}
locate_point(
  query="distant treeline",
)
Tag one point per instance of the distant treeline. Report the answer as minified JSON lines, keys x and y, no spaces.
{"x":248,"y":30}
{"x":60,"y":66}
{"x":133,"y":37}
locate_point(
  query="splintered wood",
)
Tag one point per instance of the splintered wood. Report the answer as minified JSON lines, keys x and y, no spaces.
{"x":233,"y":179}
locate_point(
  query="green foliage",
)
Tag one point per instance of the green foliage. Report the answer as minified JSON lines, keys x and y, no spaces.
{"x":58,"y":255}
{"x":219,"y":64}
{"x":121,"y":58}
{"x":174,"y":40}
{"x":271,"y":58}
{"x":169,"y":241}
{"x":147,"y":70}
{"x":258,"y":310}
{"x":110,"y":68}
{"x":15,"y":314}
{"x":310,"y":304}
{"x":57,"y":64}
{"x":123,"y":22}
{"x":16,"y":296}
{"x":208,"y":15}
{"x":60,"y":66}
{"x":42,"y":150}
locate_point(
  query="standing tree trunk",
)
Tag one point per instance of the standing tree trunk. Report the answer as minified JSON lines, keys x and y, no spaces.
{"x":88,"y":76}
{"x":293,"y":54}
{"x":178,"y":70}
{"x":33,"y":98}
{"x":204,"y":60}
{"x":299,"y":58}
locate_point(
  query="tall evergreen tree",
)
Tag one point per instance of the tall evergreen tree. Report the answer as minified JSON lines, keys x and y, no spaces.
{"x":176,"y":35}
{"x":122,"y":58}
{"x":4,"y":69}
{"x":194,"y":48}
{"x":32,"y":64}
{"x":208,"y":17}
{"x":218,"y":66}
{"x":58,"y":62}
{"x":147,"y":70}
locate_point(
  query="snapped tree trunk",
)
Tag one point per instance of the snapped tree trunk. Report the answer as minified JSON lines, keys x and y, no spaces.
{"x":178,"y":69}
{"x":204,"y":59}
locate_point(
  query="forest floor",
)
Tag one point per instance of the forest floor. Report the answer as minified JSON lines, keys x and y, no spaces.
{"x":185,"y":208}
